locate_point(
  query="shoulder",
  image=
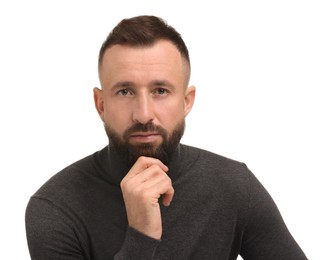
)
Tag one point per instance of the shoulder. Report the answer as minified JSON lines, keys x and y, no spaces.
{"x":73,"y":179}
{"x":217,"y":170}
{"x":218,"y":179}
{"x":213,"y":160}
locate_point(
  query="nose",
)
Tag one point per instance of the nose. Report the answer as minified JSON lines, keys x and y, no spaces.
{"x":143,"y":111}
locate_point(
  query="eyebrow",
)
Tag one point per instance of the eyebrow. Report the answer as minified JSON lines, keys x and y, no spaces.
{"x":161,"y":83}
{"x":157,"y":83}
{"x":121,"y":84}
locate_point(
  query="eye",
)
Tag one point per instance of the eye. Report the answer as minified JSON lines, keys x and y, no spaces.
{"x":161,"y":91}
{"x":123,"y":92}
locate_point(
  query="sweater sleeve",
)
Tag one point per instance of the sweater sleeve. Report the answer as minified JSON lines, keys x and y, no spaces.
{"x":53,"y":235}
{"x":50,"y":234}
{"x":266,"y":236}
{"x":137,"y":246}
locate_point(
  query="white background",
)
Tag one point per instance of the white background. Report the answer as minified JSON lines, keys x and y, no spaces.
{"x":264,"y":77}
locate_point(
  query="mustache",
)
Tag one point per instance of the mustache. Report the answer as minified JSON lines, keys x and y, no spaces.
{"x":149,"y":127}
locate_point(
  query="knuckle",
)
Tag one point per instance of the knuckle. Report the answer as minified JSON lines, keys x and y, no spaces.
{"x":142,"y":159}
{"x":126,"y":185}
{"x":168,"y":182}
{"x":123,"y":184}
{"x":155,"y":168}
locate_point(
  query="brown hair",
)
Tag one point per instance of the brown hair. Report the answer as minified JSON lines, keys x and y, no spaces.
{"x":143,"y":30}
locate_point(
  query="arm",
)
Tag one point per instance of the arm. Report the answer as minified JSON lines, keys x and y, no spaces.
{"x":53,"y":234}
{"x":50,"y":233}
{"x":266,"y":236}
{"x":137,"y":246}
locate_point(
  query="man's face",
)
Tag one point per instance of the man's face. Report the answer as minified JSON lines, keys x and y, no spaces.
{"x":144,"y":100}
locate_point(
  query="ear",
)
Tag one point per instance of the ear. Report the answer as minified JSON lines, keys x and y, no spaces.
{"x":99,"y":102}
{"x":189,"y":99}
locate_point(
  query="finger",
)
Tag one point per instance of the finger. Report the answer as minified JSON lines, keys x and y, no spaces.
{"x":164,"y":188}
{"x":167,"y":197}
{"x":143,"y":163}
{"x":151,"y":177}
{"x":159,"y":186}
{"x":153,"y":174}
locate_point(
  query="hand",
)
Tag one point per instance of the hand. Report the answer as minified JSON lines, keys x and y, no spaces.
{"x":142,"y":187}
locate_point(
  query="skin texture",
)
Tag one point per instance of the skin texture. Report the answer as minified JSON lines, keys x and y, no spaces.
{"x":144,"y":85}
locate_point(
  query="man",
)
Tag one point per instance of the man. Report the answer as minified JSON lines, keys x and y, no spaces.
{"x":145,"y":195}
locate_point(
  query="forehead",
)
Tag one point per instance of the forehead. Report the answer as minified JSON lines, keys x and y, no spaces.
{"x":162,"y":57}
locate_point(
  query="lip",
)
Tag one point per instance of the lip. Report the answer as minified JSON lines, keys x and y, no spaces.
{"x":145,"y":137}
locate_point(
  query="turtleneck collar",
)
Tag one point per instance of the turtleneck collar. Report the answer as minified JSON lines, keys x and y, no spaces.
{"x":114,"y":169}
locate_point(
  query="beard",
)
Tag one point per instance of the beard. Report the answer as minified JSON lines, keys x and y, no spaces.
{"x":131,"y":152}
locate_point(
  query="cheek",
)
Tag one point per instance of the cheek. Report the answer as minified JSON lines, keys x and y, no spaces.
{"x":116,"y":118}
{"x":170,"y":115}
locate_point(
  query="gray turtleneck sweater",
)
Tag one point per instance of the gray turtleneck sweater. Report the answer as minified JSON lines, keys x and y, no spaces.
{"x":219,"y":210}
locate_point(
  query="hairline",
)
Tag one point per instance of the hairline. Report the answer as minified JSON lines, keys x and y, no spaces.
{"x":185,"y":63}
